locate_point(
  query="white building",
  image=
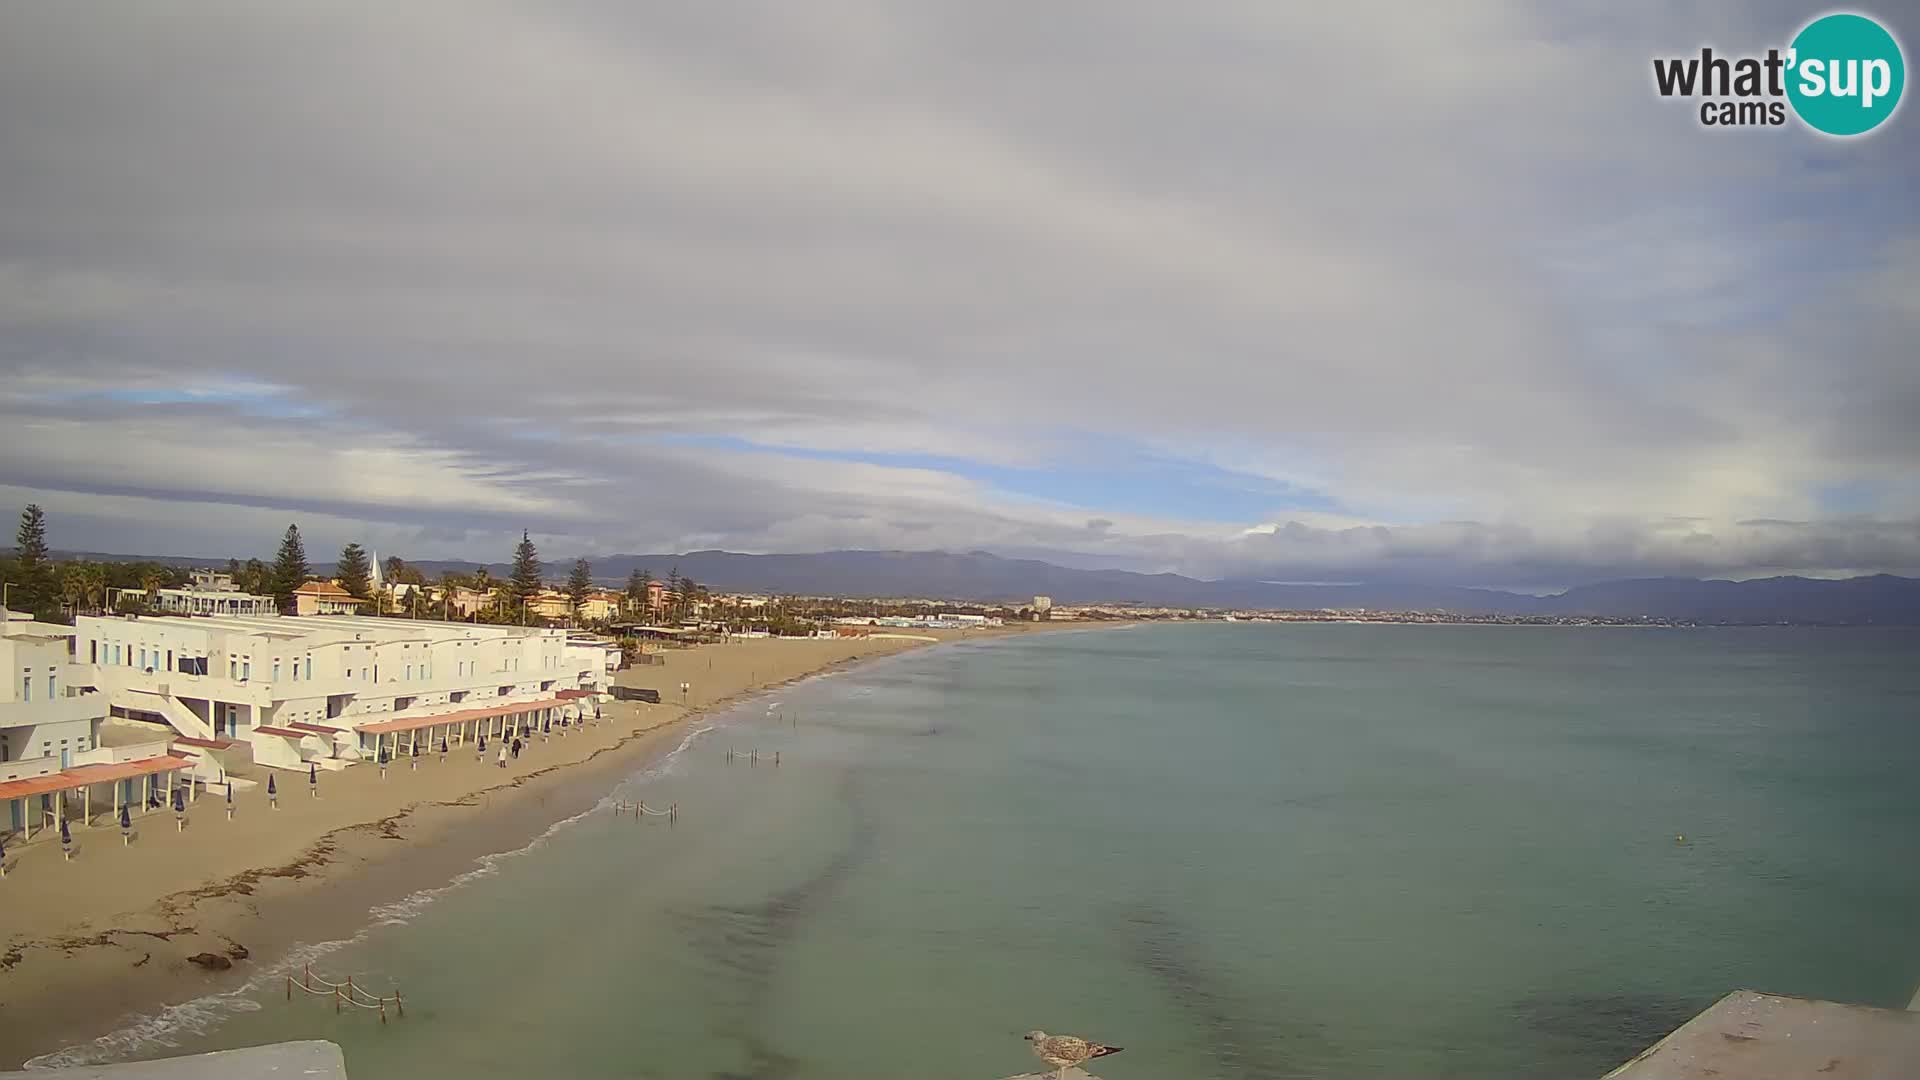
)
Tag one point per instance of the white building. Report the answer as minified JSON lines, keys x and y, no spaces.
{"x":52,"y":766}
{"x":330,"y":690}
{"x":1043,"y":604}
{"x":211,"y":593}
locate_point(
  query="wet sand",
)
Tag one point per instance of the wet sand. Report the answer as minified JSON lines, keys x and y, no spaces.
{"x":91,"y":942}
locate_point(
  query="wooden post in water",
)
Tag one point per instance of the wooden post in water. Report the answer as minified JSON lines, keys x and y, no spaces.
{"x":399,"y":1005}
{"x":336,"y":999}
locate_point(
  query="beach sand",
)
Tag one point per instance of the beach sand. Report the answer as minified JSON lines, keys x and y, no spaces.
{"x":91,"y":942}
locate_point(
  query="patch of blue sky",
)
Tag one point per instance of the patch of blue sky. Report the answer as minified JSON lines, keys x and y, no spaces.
{"x":1851,"y":498}
{"x":256,"y":398}
{"x":1114,"y":477}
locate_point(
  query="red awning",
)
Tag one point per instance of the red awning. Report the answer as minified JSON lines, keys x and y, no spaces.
{"x":413,"y":723}
{"x":317,"y":729}
{"x":68,"y":779}
{"x":287,"y":733}
{"x":570,"y":695}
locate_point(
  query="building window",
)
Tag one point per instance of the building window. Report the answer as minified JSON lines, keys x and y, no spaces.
{"x":26,"y":688}
{"x":309,"y":667}
{"x":276,"y":669}
{"x":169,"y":659}
{"x":246,"y":669}
{"x":93,"y":650}
{"x":52,"y":690}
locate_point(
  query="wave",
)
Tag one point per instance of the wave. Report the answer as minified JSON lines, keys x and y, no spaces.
{"x":171,"y":1025}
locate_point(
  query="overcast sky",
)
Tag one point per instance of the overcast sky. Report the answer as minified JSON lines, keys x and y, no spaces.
{"x":1437,"y":292}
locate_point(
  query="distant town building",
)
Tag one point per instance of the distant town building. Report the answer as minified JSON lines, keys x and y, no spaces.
{"x":323,"y":598}
{"x":1043,"y":604}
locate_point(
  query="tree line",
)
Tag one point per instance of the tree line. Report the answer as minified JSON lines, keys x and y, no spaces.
{"x":58,"y":591}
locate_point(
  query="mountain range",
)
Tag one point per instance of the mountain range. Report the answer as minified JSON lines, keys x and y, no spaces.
{"x":1880,"y":599}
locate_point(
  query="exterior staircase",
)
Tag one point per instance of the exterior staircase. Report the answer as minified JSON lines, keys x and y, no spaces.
{"x":167,"y":707}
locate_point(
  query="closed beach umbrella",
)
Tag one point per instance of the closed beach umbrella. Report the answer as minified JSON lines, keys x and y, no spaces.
{"x":229,"y":793}
{"x":125,"y":821}
{"x":313,"y":775}
{"x":443,"y":745}
{"x":271,"y":790}
{"x":179,"y":801}
{"x":66,"y":838}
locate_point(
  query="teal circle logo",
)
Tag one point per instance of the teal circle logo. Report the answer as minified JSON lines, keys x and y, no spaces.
{"x":1845,"y":74}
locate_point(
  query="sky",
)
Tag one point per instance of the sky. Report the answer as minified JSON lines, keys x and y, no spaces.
{"x":1389,"y":292}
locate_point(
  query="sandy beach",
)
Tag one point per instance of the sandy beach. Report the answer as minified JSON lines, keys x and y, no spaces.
{"x":91,"y":942}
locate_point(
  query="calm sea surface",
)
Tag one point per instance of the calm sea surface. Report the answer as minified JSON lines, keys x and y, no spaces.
{"x":1237,"y":850}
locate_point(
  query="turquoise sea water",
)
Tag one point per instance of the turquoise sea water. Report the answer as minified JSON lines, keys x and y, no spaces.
{"x":1236,"y":850}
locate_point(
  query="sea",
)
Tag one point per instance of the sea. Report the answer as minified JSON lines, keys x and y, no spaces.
{"x":1235,"y":850}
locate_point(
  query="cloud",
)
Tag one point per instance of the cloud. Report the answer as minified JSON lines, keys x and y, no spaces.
{"x":1360,"y":292}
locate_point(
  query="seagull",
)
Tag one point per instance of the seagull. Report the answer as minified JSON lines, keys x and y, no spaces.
{"x":1064,"y":1052}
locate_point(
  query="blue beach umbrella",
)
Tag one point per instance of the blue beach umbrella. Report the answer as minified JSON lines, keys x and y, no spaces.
{"x":483,"y":744}
{"x":179,"y":801}
{"x":229,"y":793}
{"x":313,"y":775}
{"x":271,"y":790}
{"x":66,"y":838}
{"x":125,"y":821}
{"x":443,"y":745}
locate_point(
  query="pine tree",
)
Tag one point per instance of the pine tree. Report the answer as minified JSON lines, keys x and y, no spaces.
{"x":688,"y":597}
{"x":36,"y":590}
{"x":673,"y":595}
{"x":254,"y":577}
{"x":289,"y":568}
{"x":354,"y":572}
{"x":524,"y":583}
{"x":579,"y":584}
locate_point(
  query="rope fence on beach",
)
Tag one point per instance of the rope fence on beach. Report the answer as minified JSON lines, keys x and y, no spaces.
{"x":345,"y":993}
{"x":641,"y":809}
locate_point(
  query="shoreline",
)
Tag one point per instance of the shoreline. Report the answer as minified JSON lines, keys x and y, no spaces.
{"x":86,"y":978}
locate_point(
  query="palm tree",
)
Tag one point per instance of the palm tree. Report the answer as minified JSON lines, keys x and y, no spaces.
{"x":73,"y":585}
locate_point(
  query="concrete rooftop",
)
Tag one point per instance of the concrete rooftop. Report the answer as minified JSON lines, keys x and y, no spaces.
{"x":1754,"y":1036}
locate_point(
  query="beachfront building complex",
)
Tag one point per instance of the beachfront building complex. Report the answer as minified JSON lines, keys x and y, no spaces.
{"x":329,"y":690}
{"x":52,"y":765}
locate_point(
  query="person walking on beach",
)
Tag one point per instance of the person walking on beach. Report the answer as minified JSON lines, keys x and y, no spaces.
{"x":516,"y":749}
{"x":503,"y":755}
